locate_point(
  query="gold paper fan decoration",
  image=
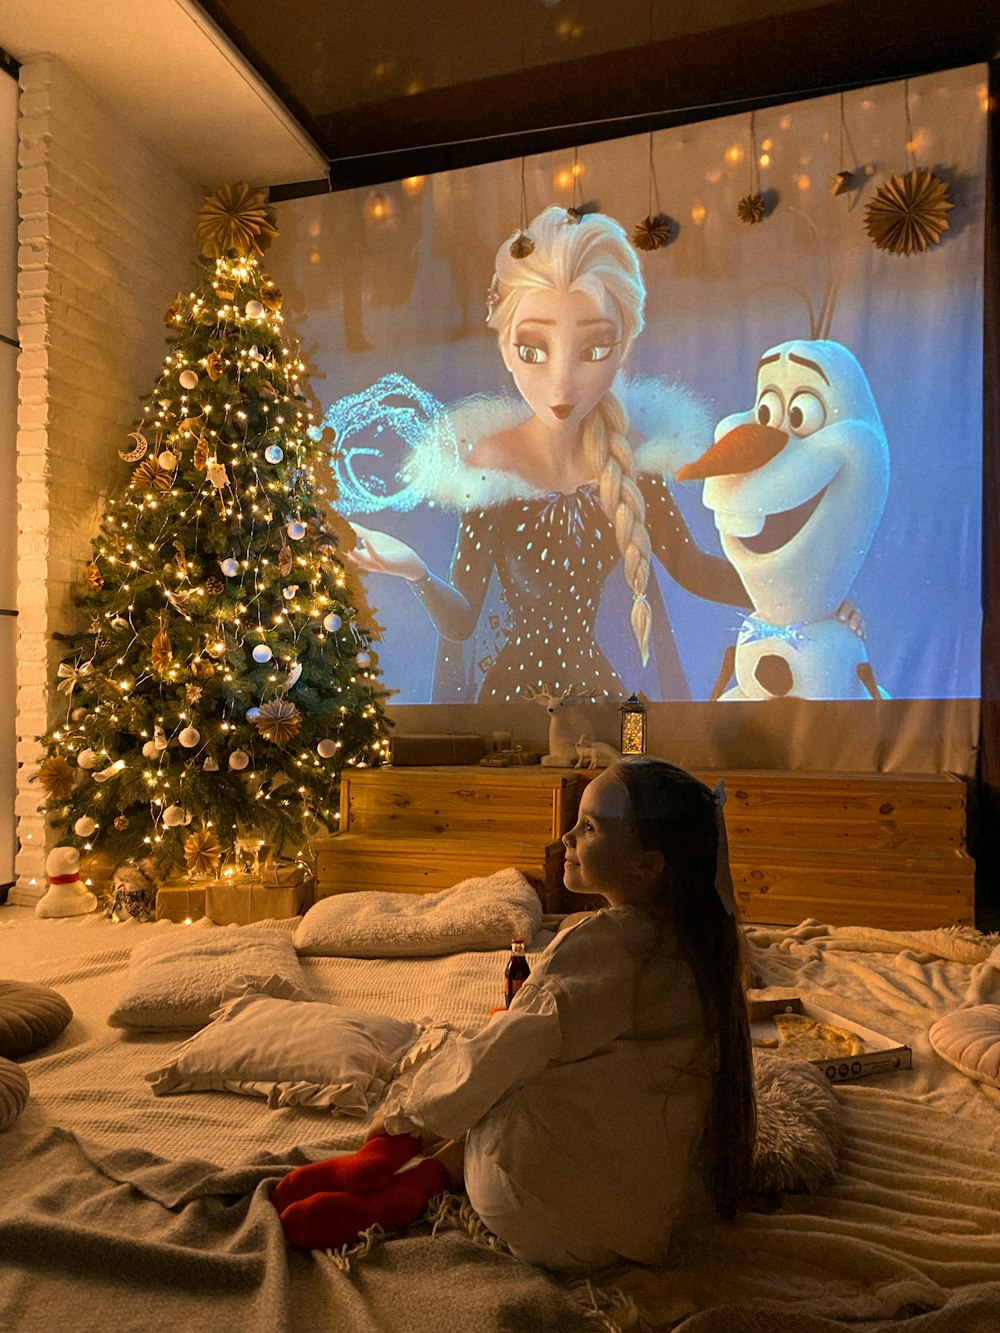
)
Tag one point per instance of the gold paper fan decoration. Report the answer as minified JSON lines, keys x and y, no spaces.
{"x":173,"y":309}
{"x":200,"y":458}
{"x":652,"y":232}
{"x":270,"y":295}
{"x":278,"y":721}
{"x":214,"y":366}
{"x":285,"y":560}
{"x":56,"y":776}
{"x":161,"y":652}
{"x":121,"y":823}
{"x":522,"y":246}
{"x":150,"y":476}
{"x":909,"y":213}
{"x":92,"y":578}
{"x":235,"y":218}
{"x":202,"y":852}
{"x":750,"y":209}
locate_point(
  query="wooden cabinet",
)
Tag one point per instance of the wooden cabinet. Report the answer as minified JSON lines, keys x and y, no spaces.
{"x":414,"y":830}
{"x":874,"y":849}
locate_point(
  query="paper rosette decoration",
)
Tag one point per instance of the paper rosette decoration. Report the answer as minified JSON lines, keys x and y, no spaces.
{"x":651,"y":232}
{"x":202,"y":852}
{"x":150,"y":476}
{"x":214,"y":366}
{"x":92,"y":578}
{"x":235,"y":218}
{"x":278,"y":721}
{"x":909,"y":213}
{"x":56,"y":776}
{"x":270,"y":295}
{"x":751,"y":209}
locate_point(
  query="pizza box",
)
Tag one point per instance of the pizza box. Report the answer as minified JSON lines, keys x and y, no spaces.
{"x":881,"y":1055}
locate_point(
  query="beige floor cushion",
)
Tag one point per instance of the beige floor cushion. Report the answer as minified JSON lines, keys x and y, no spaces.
{"x":13,"y":1092}
{"x":969,"y":1039}
{"x":30,"y":1016}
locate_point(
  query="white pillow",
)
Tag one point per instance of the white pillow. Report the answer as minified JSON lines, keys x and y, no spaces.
{"x":179,"y":979}
{"x":969,"y":1039}
{"x":294,"y":1053}
{"x":481,"y":913}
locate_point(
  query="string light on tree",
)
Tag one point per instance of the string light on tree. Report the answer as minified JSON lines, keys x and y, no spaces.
{"x":219,"y":535}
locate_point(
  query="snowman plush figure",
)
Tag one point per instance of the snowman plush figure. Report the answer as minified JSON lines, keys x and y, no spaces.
{"x":66,"y":895}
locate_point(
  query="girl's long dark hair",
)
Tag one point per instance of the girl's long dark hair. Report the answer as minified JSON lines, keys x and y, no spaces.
{"x":675,"y":814}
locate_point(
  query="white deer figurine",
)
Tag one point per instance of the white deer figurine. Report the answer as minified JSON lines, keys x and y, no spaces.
{"x":562,"y":734}
{"x":594,"y":754}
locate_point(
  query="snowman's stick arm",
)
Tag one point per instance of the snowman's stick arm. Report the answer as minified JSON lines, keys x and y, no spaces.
{"x":867,"y":677}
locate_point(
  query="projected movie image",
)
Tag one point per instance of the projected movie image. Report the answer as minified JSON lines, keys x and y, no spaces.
{"x":742,"y":467}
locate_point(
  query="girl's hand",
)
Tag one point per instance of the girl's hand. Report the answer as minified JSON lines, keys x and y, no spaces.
{"x":378,"y":553}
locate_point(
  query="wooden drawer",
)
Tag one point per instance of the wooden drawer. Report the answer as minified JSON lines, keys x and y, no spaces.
{"x":536,"y":805}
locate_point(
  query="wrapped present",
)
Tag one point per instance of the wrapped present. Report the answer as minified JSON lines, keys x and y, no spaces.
{"x":277,"y":892}
{"x":181,"y":900}
{"x":419,"y":750}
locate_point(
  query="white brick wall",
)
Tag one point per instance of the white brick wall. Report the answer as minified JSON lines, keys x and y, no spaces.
{"x":106,"y":240}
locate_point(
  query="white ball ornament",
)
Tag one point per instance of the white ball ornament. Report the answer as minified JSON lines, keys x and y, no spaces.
{"x":151,"y":750}
{"x":173,"y":815}
{"x":262,"y":653}
{"x":296,"y":529}
{"x":289,"y":592}
{"x":238,"y":760}
{"x":274,"y":453}
{"x":332,"y":622}
{"x":252,"y":713}
{"x":254,"y":309}
{"x":210,"y":765}
{"x":167,"y":460}
{"x":87,"y":759}
{"x":78,"y":714}
{"x":189,"y":737}
{"x":364,"y":659}
{"x":188,"y":379}
{"x":326,"y":749}
{"x":230,"y":567}
{"x":84,"y":826}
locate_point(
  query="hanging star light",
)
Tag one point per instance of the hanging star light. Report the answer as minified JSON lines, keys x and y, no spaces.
{"x":909,"y":213}
{"x":750,"y":209}
{"x":236,"y":218}
{"x":522,"y":246}
{"x":652,"y":232}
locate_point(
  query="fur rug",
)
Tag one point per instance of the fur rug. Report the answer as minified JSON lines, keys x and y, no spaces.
{"x":798,"y":1126}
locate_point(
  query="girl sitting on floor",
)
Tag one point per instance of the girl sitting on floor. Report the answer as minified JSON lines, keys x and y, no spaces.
{"x":614,"y":1098}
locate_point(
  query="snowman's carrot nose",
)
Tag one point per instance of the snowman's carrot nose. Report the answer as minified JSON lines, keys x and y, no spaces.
{"x":745,"y":448}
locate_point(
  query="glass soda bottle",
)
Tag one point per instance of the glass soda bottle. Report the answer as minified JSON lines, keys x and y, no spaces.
{"x":516,"y":972}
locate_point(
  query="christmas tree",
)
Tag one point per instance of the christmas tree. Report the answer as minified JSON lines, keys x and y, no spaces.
{"x":224,"y":678}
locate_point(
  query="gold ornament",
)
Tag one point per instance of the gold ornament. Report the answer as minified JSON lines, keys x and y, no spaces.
{"x":189,"y":426}
{"x":56,"y":776}
{"x":133,"y":455}
{"x":201,"y":852}
{"x":651,"y":232}
{"x":121,"y":823}
{"x":909,"y":213}
{"x":161,"y":652}
{"x":149,"y":475}
{"x":174,"y":309}
{"x":522,"y":246}
{"x":214,"y":366}
{"x":842,"y":182}
{"x":271,"y":296}
{"x":235,"y":218}
{"x":278,"y":721}
{"x":202,"y":668}
{"x":200,"y":458}
{"x":751,"y":209}
{"x":285,"y":560}
{"x":92,"y":578}
{"x":192,"y":693}
{"x":214,"y":586}
{"x":226,"y":287}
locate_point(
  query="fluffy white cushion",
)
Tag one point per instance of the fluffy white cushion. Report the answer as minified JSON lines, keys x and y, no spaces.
{"x":969,"y":1039}
{"x":481,"y":913}
{"x":178,"y":979}
{"x":294,"y":1053}
{"x":798,"y":1126}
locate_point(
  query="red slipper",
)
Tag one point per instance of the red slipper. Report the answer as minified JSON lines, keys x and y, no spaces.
{"x":333,"y":1218}
{"x":361,"y":1172}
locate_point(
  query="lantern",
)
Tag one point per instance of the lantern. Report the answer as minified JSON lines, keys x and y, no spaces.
{"x":633,"y":726}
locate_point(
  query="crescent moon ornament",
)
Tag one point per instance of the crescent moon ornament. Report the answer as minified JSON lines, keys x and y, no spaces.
{"x":141,"y":445}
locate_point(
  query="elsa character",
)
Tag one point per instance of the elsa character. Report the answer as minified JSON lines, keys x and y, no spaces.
{"x":553,"y":494}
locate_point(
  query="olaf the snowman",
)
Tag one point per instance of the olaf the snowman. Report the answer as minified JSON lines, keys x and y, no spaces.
{"x":798,"y":485}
